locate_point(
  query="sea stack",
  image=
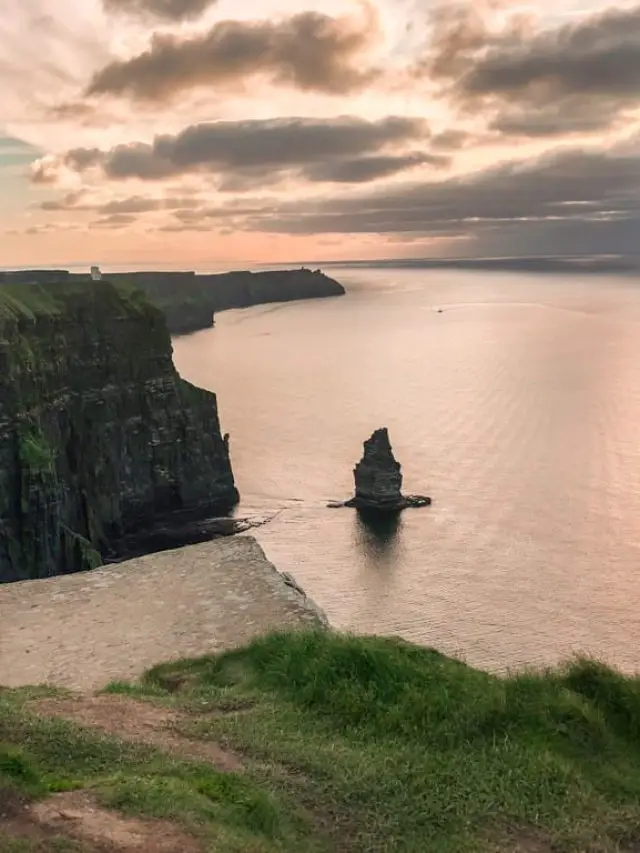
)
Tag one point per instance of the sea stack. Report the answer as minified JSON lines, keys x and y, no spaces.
{"x":378,"y":479}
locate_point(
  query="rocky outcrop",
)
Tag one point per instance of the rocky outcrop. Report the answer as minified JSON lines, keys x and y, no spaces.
{"x":378,"y":479}
{"x":101,"y":441}
{"x":189,"y":301}
{"x":377,"y":475}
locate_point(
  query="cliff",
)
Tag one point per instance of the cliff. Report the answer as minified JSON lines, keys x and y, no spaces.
{"x":189,"y":301}
{"x":100,"y":439}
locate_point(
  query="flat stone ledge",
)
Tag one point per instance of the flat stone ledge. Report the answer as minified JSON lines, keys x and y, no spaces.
{"x":84,"y":630}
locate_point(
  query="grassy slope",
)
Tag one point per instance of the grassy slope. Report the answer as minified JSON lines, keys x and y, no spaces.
{"x":30,"y":301}
{"x":364,"y":745}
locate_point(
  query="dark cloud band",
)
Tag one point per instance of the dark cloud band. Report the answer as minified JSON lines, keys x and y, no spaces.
{"x":168,"y":10}
{"x":575,"y":78}
{"x":345,"y":149}
{"x":310,"y":51}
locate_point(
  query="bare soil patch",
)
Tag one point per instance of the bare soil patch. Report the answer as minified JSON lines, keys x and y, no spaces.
{"x":138,"y":722}
{"x":519,"y":839}
{"x":76,"y":815}
{"x":75,"y":819}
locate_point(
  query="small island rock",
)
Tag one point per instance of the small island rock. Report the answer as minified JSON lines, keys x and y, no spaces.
{"x":378,"y":479}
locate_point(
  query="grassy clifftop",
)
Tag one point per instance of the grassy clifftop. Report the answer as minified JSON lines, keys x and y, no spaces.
{"x":27,"y":303}
{"x":345,"y":744}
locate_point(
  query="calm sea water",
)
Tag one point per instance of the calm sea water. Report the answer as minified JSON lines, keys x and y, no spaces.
{"x":517,"y":409}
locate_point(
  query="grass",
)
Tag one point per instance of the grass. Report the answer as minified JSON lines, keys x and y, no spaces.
{"x":51,"y":845}
{"x":31,"y":301}
{"x":364,"y":745}
{"x":35,"y":453}
{"x":27,"y":301}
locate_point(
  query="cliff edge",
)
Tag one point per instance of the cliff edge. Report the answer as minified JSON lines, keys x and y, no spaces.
{"x":189,"y":301}
{"x":100,"y":439}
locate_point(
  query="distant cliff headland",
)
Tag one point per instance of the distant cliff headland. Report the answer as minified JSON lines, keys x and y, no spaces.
{"x":575,"y":265}
{"x":101,"y":441}
{"x":189,"y":301}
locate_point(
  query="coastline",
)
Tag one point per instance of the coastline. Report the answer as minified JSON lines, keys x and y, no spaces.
{"x":84,"y":630}
{"x":190,"y":300}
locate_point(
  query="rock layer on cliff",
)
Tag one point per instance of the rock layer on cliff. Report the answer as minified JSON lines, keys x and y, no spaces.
{"x":100,"y":439}
{"x":189,"y":301}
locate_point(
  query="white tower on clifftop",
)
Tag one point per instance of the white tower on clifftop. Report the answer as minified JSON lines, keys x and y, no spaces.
{"x":96,"y":275}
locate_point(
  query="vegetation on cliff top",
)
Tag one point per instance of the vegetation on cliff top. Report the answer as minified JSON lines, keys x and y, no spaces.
{"x":361,"y":744}
{"x":30,"y":301}
{"x":27,"y":302}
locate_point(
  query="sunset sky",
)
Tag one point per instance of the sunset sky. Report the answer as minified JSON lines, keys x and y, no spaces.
{"x":188,"y":133}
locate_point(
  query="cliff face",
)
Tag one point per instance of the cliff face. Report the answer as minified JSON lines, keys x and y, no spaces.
{"x":189,"y":301}
{"x":100,"y":439}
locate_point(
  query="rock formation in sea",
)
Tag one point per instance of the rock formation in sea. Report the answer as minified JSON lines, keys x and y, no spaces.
{"x":101,"y":441}
{"x":378,"y":479}
{"x":189,"y":301}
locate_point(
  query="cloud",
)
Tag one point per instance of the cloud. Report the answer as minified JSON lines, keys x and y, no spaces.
{"x":80,"y":114}
{"x":127,"y":206}
{"x":68,"y":202}
{"x":344,"y":149}
{"x":559,"y":118}
{"x":116,"y":220}
{"x":459,"y":32}
{"x":47,"y":53}
{"x":42,"y":228}
{"x":568,"y":201}
{"x":309,"y":51}
{"x":364,"y":169}
{"x":76,"y":201}
{"x":179,"y":228}
{"x":167,"y":10}
{"x":596,"y":56}
{"x":71,"y":111}
{"x":33,"y":230}
{"x":452,"y":139}
{"x":82,"y":158}
{"x":594,"y":191}
{"x":575,"y":78}
{"x":237,"y":210}
{"x":46,"y":170}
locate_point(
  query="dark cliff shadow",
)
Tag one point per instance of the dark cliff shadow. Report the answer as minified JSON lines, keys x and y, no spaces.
{"x":377,"y":537}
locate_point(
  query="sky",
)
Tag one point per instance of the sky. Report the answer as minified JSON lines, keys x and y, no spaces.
{"x":193,"y":133}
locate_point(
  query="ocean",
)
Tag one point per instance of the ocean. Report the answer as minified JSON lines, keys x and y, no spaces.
{"x":516,"y":407}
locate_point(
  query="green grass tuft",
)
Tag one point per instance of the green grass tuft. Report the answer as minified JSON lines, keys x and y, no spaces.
{"x":17,"y":771}
{"x":418,"y":751}
{"x":365,"y":745}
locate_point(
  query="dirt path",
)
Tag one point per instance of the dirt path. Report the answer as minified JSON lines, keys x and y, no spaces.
{"x":83,"y":631}
{"x":138,"y":722}
{"x":50,"y":823}
{"x":75,"y":816}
